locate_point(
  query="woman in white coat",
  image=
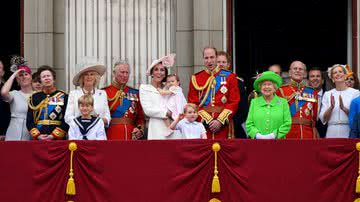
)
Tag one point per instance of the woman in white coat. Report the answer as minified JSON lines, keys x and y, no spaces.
{"x":153,"y":104}
{"x":88,"y":79}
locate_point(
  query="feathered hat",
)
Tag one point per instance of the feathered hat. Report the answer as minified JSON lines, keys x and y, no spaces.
{"x":18,"y":62}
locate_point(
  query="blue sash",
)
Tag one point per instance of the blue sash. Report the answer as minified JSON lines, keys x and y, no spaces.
{"x":126,"y":103}
{"x":222,"y":76}
{"x":301,"y":103}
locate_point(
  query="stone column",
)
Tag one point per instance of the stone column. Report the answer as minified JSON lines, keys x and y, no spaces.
{"x":110,"y":30}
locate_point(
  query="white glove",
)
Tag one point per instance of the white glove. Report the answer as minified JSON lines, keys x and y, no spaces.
{"x":259,"y":136}
{"x":270,"y":136}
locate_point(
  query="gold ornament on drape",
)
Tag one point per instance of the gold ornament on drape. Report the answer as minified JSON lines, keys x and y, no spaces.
{"x":357,"y":188}
{"x":70,"y":187}
{"x":215,"y":188}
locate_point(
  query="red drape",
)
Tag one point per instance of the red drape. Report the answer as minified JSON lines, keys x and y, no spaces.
{"x":171,"y":171}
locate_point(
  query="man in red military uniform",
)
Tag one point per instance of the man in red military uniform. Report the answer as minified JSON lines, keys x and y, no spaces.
{"x":216,"y":92}
{"x":302,"y":100}
{"x":127,"y":116}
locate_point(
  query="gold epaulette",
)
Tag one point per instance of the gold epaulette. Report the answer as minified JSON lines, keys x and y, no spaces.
{"x":240,"y":79}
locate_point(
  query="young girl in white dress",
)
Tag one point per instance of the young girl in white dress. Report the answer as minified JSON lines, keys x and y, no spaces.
{"x":174,"y":96}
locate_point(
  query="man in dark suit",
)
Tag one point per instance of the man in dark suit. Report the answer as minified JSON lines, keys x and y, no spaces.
{"x":316,"y":81}
{"x":4,"y":107}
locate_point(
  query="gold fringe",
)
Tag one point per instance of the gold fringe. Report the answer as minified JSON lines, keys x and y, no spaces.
{"x":215,"y":187}
{"x":70,"y":187}
{"x":119,"y":95}
{"x":214,"y":200}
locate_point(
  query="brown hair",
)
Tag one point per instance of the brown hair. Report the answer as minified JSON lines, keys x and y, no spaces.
{"x":174,"y":75}
{"x":191,"y":105}
{"x":47,"y":68}
{"x":210,"y":47}
{"x":86,"y":100}
{"x":223,"y":53}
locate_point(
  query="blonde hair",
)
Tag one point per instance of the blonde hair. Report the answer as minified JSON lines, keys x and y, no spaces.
{"x":96,"y":82}
{"x":191,"y":105}
{"x":86,"y":100}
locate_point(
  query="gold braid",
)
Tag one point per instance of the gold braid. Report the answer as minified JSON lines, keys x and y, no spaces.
{"x":209,"y":83}
{"x":37,"y":109}
{"x":119,"y":94}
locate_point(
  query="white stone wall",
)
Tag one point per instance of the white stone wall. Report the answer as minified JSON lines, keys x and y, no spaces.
{"x":110,"y":30}
{"x":44,"y":35}
{"x":60,"y":33}
{"x":199,"y":24}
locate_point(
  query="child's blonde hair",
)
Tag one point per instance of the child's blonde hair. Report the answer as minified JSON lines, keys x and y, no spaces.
{"x":86,"y":100}
{"x":191,"y":105}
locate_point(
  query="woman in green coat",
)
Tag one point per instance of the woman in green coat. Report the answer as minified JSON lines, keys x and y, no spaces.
{"x":269,"y":115}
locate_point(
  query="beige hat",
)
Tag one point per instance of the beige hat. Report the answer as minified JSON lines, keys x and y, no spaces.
{"x":99,"y":68}
{"x":167,"y":61}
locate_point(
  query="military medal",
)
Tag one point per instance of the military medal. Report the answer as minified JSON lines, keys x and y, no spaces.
{"x":223,"y":89}
{"x":307,"y":112}
{"x":52,"y":116}
{"x":58,"y":109}
{"x":309,"y":105}
{"x":223,"y":100}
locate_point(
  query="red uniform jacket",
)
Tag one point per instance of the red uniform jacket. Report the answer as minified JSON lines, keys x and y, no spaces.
{"x":126,"y":112}
{"x":217,"y":95}
{"x":302,"y":100}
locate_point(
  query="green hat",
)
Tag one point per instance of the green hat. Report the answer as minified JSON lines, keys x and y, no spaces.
{"x":268,"y":76}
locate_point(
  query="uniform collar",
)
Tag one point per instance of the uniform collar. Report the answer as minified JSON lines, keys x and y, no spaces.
{"x":118,"y":86}
{"x":49,"y":90}
{"x":298,"y":84}
{"x":213,"y":71}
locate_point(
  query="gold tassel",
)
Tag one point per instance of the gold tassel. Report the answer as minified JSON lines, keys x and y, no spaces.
{"x":70,"y":187}
{"x":215,"y":188}
{"x":357,"y":188}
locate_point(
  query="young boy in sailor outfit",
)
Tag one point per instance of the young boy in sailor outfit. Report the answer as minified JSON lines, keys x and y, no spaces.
{"x":86,"y":126}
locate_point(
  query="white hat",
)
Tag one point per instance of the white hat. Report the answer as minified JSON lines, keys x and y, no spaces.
{"x":99,"y":68}
{"x":167,"y":61}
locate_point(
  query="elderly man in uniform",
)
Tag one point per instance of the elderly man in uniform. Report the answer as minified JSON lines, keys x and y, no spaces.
{"x":127,"y":116}
{"x":216,"y":92}
{"x":46,"y":110}
{"x":302,"y":101}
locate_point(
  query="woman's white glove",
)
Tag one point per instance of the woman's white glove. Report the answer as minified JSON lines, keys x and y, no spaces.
{"x":259,"y":136}
{"x":270,"y":136}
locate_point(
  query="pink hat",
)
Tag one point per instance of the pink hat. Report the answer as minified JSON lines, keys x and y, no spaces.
{"x":167,"y":61}
{"x":25,"y":68}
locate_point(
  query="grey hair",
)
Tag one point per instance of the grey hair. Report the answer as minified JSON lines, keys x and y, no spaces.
{"x":298,"y":62}
{"x":121,"y":62}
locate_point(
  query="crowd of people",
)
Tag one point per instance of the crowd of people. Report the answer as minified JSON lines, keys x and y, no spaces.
{"x":217,"y":105}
